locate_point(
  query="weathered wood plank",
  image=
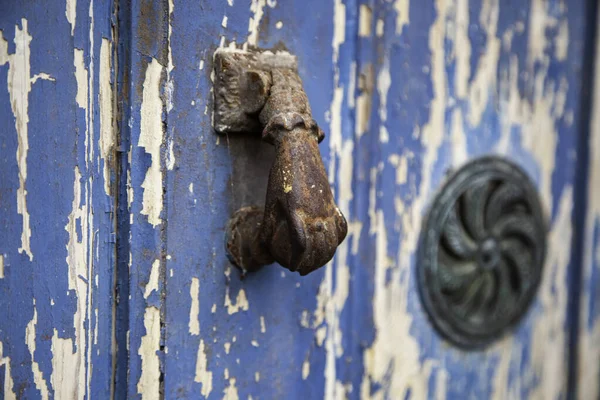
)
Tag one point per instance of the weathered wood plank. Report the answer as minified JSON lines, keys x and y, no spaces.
{"x":588,"y":341}
{"x":57,"y":255}
{"x":406,"y":91}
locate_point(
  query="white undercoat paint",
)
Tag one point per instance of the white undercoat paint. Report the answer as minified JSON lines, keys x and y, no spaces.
{"x":241,"y":302}
{"x":148,"y":385}
{"x":8,"y":389}
{"x":230,"y":392}
{"x":105,"y":100}
{"x":66,"y":368}
{"x":402,"y":17}
{"x":71,"y":13}
{"x":19,"y":85}
{"x":152,"y":285}
{"x":72,"y":375}
{"x":81,"y":77}
{"x":399,"y":369}
{"x":257,"y":9}
{"x":194,"y":324}
{"x":151,"y":139}
{"x":203,"y":375}
{"x":30,"y":338}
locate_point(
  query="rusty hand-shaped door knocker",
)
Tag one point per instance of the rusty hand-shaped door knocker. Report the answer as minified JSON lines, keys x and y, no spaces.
{"x":301,"y":226}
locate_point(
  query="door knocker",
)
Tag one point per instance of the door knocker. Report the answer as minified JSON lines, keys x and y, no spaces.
{"x":301,"y":226}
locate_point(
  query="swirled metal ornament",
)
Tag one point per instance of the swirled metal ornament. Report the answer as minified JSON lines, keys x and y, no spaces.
{"x":482,"y":252}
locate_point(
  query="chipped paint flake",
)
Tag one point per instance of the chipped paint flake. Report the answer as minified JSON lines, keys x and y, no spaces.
{"x":462,"y":49}
{"x":151,"y":139}
{"x":458,"y":138}
{"x":152,"y":285}
{"x":257,"y":9}
{"x":384,"y":81}
{"x":231,"y":392}
{"x":379,"y":27}
{"x":263,"y":325}
{"x":81,"y":77}
{"x":194,"y":324}
{"x":562,"y":41}
{"x":30,"y":336}
{"x":548,"y":329}
{"x":365,"y":21}
{"x":2,"y":257}
{"x":363,"y":100}
{"x":8,"y":389}
{"x":402,"y":8}
{"x":19,"y":86}
{"x":72,"y":375}
{"x":305,"y":369}
{"x":105,"y":98}
{"x":241,"y":302}
{"x":149,"y":384}
{"x":484,"y":81}
{"x":64,"y":369}
{"x":203,"y":375}
{"x":71,"y":14}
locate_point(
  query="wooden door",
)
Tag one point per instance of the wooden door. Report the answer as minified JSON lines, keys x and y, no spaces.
{"x":116,"y":192}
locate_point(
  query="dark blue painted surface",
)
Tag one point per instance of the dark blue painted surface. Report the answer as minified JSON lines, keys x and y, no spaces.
{"x":56,"y":320}
{"x":405,"y":91}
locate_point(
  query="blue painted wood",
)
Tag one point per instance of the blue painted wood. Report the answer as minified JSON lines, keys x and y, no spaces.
{"x":406,"y":92}
{"x":57,"y":275}
{"x":125,"y":288}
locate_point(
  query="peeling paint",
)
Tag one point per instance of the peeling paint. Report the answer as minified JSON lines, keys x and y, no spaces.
{"x":365,"y":21}
{"x":203,"y":375}
{"x":384,"y":81}
{"x":548,"y":329}
{"x":72,"y":374}
{"x":8,"y":389}
{"x":363,"y":101}
{"x":19,"y":85}
{"x":231,"y":392}
{"x":459,"y":140}
{"x":30,"y":337}
{"x":305,"y":369}
{"x":2,"y":257}
{"x":257,"y":9}
{"x":71,"y":14}
{"x":194,"y":324}
{"x":241,"y":302}
{"x":379,"y":27}
{"x":152,"y":285}
{"x":399,"y":369}
{"x":149,"y":382}
{"x":105,"y":99}
{"x":402,"y":8}
{"x":81,"y":77}
{"x":462,"y":49}
{"x":66,"y":368}
{"x":151,"y":139}
{"x":484,"y":80}
{"x":263,"y":326}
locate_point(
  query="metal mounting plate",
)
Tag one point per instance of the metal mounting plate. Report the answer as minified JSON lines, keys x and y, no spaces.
{"x":241,"y":86}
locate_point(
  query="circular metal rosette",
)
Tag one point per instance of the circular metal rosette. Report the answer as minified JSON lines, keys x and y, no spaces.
{"x":481,"y":252}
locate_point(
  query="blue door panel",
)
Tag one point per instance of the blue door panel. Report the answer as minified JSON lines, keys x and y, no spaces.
{"x":56,"y":275}
{"x":115,"y":192}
